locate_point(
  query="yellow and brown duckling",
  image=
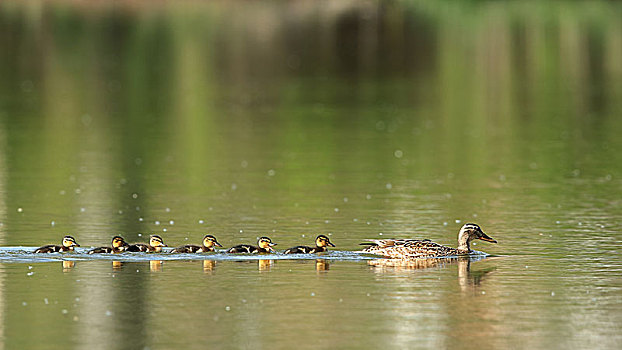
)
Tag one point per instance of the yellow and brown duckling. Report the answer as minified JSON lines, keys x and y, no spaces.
{"x":264,"y":245}
{"x":209,"y":242}
{"x":68,"y":244}
{"x":321,"y":244}
{"x":118,"y":245}
{"x":415,"y":248}
{"x":155,"y":245}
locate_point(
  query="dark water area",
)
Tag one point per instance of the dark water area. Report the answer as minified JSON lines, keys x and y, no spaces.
{"x":355,"y":119}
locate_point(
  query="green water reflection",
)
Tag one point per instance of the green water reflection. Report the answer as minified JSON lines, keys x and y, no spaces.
{"x":291,"y":119}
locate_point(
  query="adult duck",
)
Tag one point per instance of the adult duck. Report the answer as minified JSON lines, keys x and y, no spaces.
{"x":424,"y":248}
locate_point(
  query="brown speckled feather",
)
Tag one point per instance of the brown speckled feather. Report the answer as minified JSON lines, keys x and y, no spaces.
{"x":410,"y":248}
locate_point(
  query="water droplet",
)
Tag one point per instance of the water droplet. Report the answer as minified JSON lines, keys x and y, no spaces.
{"x":445,"y":223}
{"x":140,"y":235}
{"x":336,"y":210}
{"x":271,"y":172}
{"x":24,"y":303}
{"x":53,"y":223}
{"x":45,"y":300}
{"x":389,"y":186}
{"x":157,"y":222}
{"x":61,"y":192}
{"x":458,"y":221}
{"x":201,"y":221}
{"x":140,"y":219}
{"x":82,"y":210}
{"x":380,"y":234}
{"x":19,"y":210}
{"x":108,"y":313}
{"x":345,"y":199}
{"x":234,"y":187}
{"x":244,"y":164}
{"x":172,"y":222}
{"x":30,"y":273}
{"x":552,"y":294}
{"x":168,"y":210}
{"x":398,"y":153}
{"x":227,"y":308}
{"x":134,"y":195}
{"x":64,"y":311}
{"x":164,"y":229}
{"x":312,"y":294}
{"x":368,"y":196}
{"x":78,"y":191}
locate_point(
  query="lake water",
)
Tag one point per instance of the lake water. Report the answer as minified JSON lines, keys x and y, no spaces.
{"x":291,"y":119}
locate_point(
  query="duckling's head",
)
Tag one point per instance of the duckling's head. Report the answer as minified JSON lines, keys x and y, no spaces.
{"x":119,"y":243}
{"x":210,"y":241}
{"x":70,"y":242}
{"x":265,"y":243}
{"x":469,"y":232}
{"x":156,"y":242}
{"x":323,"y":241}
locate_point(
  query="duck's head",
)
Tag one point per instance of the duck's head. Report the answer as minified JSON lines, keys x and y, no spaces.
{"x":210,"y":241}
{"x":119,"y":243}
{"x":469,"y":232}
{"x":156,"y":242}
{"x":70,"y":242}
{"x":323,"y":241}
{"x":265,"y":243}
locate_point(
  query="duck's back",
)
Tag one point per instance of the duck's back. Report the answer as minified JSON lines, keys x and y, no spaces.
{"x":188,"y":248}
{"x":409,"y":248}
{"x":300,"y":249}
{"x":101,"y":250}
{"x":50,"y":248}
{"x":139,"y":247}
{"x":243,"y":248}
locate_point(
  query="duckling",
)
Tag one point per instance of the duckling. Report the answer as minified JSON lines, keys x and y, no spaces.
{"x":208,"y":244}
{"x":155,"y":245}
{"x":68,"y":244}
{"x":264,"y":246}
{"x":321,"y":242}
{"x":118,"y":246}
{"x":415,"y":248}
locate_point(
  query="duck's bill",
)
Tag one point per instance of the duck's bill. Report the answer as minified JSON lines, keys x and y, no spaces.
{"x":271,"y":244}
{"x":330,"y":244}
{"x":487,"y":238}
{"x":218,"y":244}
{"x":75,"y":245}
